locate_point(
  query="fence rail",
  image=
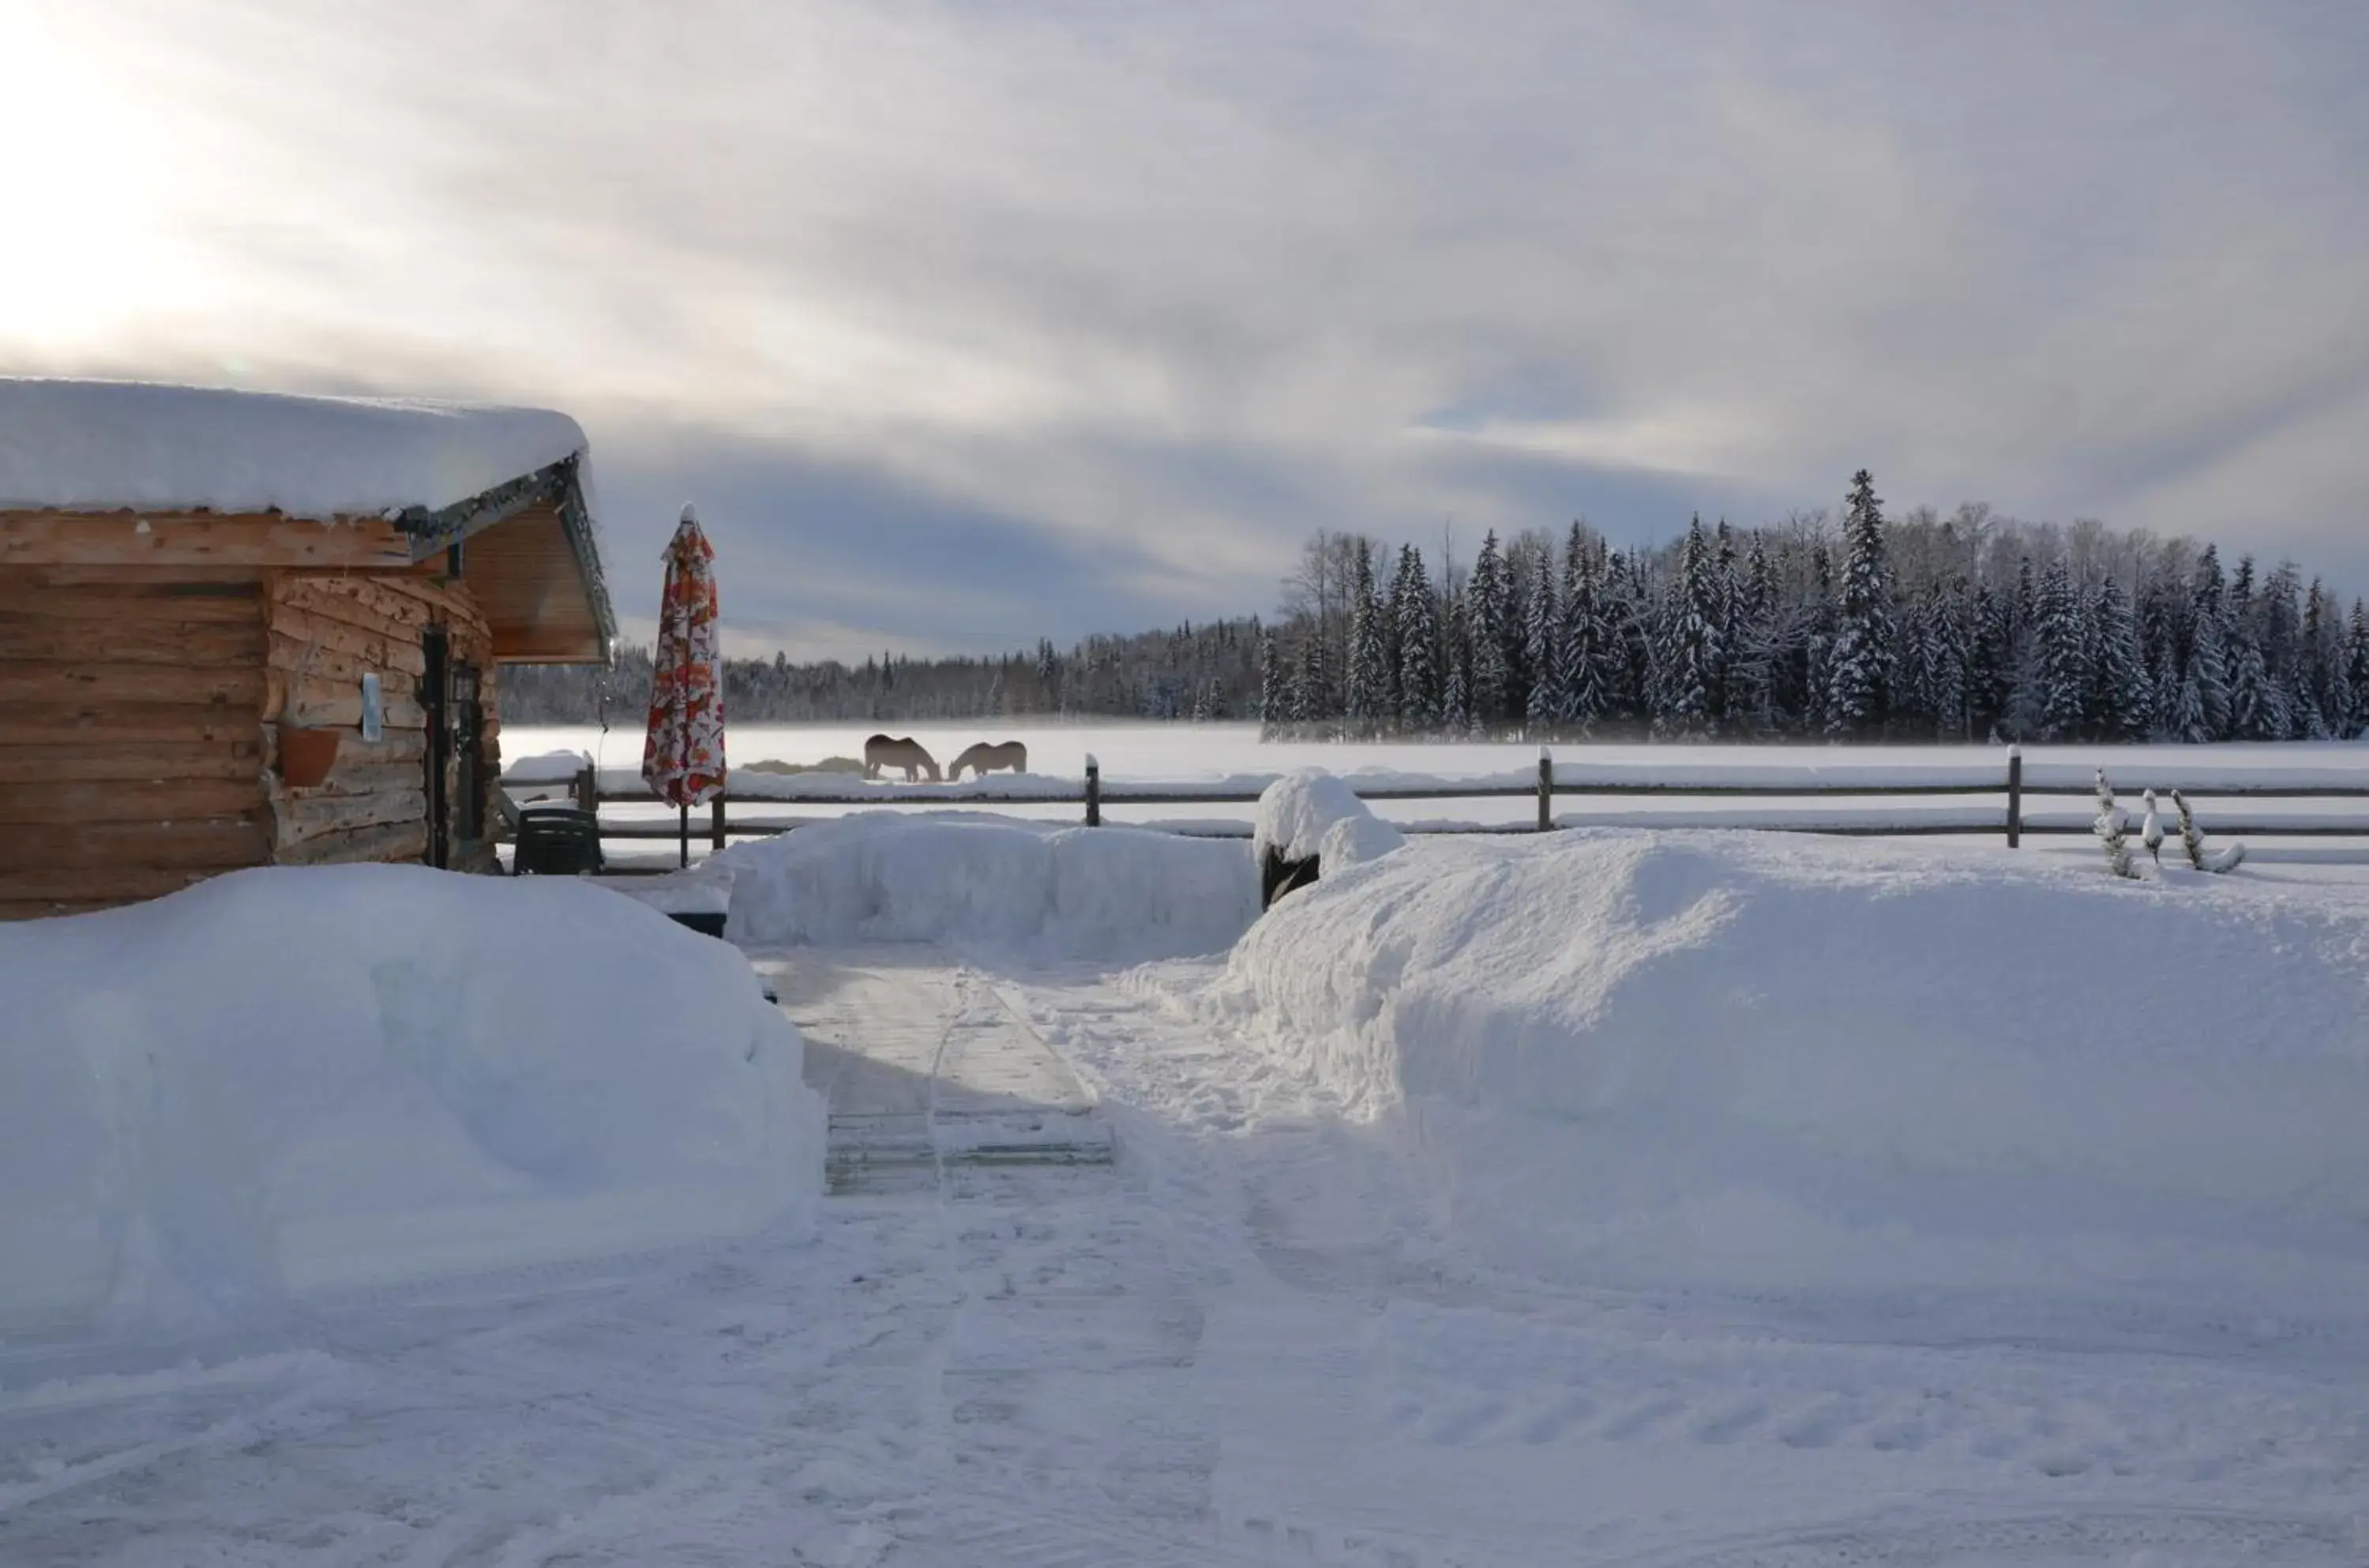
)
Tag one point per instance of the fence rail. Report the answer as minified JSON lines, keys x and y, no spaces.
{"x":716,"y":823}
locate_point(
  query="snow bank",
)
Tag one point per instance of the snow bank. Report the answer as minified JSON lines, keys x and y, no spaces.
{"x":546,"y":767}
{"x":293,"y":1079}
{"x":94,"y":445}
{"x":1809,"y":1065}
{"x":1119,"y":894}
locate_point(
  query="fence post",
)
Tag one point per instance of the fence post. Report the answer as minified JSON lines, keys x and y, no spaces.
{"x":587,"y":790}
{"x":1094,"y":792}
{"x":716,"y":821}
{"x":2015,"y":798}
{"x":1546,"y":790}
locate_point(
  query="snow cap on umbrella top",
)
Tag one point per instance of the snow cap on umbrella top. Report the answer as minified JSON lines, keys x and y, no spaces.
{"x":690,"y":513}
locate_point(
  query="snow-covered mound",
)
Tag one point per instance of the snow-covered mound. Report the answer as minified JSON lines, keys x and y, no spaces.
{"x":1308,"y":813}
{"x":289,"y":1079}
{"x":1119,"y":894}
{"x":78,"y":445}
{"x":1804,"y":1065}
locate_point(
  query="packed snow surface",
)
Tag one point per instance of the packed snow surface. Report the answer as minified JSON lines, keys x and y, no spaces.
{"x":1814,"y":1066}
{"x":1108,"y":893}
{"x":98,"y":446}
{"x":287,"y":1081}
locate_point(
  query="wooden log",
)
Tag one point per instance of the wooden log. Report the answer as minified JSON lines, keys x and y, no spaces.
{"x":336,"y":705}
{"x":351,"y":777}
{"x":98,"y":723}
{"x":62,"y":766}
{"x":339,"y":667}
{"x":244,"y":582}
{"x":51,"y":595}
{"x":177,"y":843}
{"x":29,"y":910}
{"x":398,"y":841}
{"x":91,"y":683}
{"x":129,"y":800}
{"x":214,"y":643}
{"x":183,"y":539}
{"x":117,"y":883}
{"x":309,"y":817}
{"x":382,"y":601}
{"x":381,"y":647}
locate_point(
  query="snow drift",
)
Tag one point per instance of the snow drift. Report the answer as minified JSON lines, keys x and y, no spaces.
{"x":290,"y":1080}
{"x":1810,"y":1066}
{"x":1121,"y":894}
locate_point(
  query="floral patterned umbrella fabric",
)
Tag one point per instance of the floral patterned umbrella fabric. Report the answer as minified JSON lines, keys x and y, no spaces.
{"x":683,"y":757}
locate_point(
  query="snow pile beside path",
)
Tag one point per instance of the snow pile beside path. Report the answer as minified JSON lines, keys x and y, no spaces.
{"x":83,"y":445}
{"x":1309,"y":812}
{"x":293,"y":1079}
{"x":1117,"y":894}
{"x":1809,"y":1065}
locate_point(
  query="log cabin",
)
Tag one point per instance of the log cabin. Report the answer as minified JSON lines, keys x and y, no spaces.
{"x":189,"y":576}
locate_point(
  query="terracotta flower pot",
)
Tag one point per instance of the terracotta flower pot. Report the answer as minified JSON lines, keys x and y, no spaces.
{"x":306,"y":756}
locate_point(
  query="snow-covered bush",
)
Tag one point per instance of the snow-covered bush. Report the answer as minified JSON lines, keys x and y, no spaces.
{"x":1767,"y":1062}
{"x":1124,"y":894}
{"x":2112,"y":828}
{"x":2192,"y":840}
{"x":287,"y":1080}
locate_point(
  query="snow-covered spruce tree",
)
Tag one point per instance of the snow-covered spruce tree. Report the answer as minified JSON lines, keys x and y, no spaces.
{"x":1690,"y":654}
{"x":1728,"y":590}
{"x":1456,"y":669}
{"x":2356,"y":670}
{"x":2320,"y":668}
{"x":1417,"y":617}
{"x":1944,"y":658}
{"x":1546,"y":703}
{"x":2113,"y":828}
{"x":1859,"y":666}
{"x":1751,"y":647}
{"x":2119,"y":698}
{"x":1368,"y":670}
{"x":2061,"y":643}
{"x":1273,"y":699}
{"x":2192,"y":840}
{"x":1991,"y":666}
{"x":1490,"y":626}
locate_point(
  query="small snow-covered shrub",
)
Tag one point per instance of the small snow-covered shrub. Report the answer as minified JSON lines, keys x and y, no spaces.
{"x":2192,"y":840}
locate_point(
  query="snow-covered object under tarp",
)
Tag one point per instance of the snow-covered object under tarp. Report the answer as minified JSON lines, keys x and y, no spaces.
{"x":1296,"y":811}
{"x":1760,"y":1063}
{"x":102,"y":445}
{"x":291,"y":1080}
{"x":1116,"y":894}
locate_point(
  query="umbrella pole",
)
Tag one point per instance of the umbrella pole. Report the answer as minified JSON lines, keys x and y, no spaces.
{"x":686,"y":834}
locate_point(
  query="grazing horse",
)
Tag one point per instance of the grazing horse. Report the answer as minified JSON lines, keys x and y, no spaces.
{"x":984,"y":759}
{"x":897,"y":751}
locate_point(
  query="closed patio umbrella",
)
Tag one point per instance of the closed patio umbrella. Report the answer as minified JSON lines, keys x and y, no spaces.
{"x":683,"y":758}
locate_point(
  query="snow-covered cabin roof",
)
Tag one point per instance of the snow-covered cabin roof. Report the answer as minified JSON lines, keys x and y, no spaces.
{"x":442,"y":471}
{"x":112,"y":445}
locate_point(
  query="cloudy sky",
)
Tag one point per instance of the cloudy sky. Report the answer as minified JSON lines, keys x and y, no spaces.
{"x":970,"y":322}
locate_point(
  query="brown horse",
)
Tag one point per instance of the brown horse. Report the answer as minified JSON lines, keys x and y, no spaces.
{"x":897,"y":751}
{"x":984,"y":759}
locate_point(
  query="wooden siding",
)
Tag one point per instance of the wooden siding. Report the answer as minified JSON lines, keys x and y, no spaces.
{"x":373,"y":805}
{"x":523,"y":574}
{"x":158,"y":539}
{"x":132,"y":753}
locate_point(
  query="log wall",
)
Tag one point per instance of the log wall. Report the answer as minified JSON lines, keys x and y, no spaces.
{"x":131,"y":750}
{"x":324,"y":631}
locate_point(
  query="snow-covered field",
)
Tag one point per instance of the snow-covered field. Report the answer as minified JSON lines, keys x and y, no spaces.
{"x":1608,"y":1199}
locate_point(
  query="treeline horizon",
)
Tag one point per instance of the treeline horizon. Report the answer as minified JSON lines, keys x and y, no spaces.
{"x":1968,"y":627}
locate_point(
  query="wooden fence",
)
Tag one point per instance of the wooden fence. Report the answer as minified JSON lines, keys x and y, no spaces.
{"x":728,"y":816}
